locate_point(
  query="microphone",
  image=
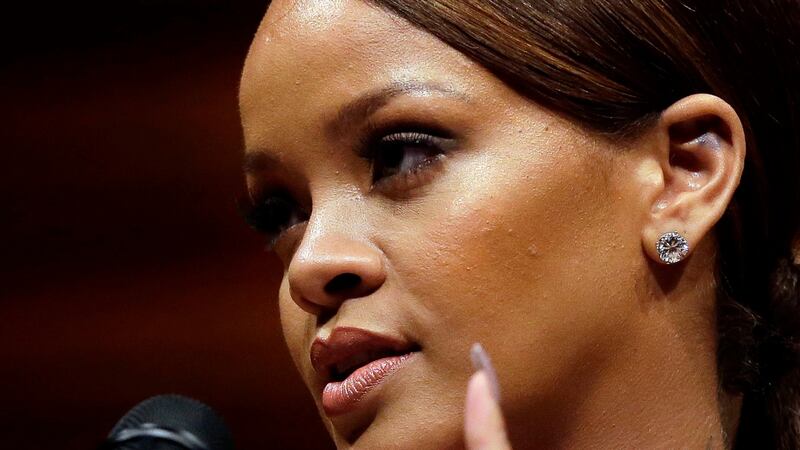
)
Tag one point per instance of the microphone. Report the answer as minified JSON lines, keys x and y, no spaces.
{"x":169,"y":422}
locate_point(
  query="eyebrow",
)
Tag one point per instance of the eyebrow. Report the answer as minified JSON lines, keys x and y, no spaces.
{"x":356,"y":112}
{"x":258,"y":160}
{"x":360,"y":109}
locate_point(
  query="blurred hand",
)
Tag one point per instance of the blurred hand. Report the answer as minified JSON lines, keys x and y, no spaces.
{"x":484,"y":427}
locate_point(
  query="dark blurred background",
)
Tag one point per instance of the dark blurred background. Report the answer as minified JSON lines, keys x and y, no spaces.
{"x":126,"y":270}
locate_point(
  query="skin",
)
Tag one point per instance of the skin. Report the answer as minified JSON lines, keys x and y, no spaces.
{"x":530,"y":235}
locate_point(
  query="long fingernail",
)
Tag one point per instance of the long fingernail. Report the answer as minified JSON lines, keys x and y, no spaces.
{"x":481,"y":361}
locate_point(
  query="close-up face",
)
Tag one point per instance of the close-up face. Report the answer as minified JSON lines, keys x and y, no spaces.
{"x":411,"y":194}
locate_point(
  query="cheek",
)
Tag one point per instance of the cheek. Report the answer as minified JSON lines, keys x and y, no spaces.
{"x":495,"y":229}
{"x":295,"y":324}
{"x":505,"y":253}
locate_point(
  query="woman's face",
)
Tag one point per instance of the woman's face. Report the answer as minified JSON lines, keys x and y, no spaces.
{"x":412,"y":194}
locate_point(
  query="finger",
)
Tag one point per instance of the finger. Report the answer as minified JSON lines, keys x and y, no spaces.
{"x":484,"y":427}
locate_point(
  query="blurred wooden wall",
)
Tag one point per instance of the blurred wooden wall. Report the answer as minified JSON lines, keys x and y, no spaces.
{"x":126,"y":270}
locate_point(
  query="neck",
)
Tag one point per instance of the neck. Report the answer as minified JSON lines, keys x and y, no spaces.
{"x":672,"y":404}
{"x":659,"y":390}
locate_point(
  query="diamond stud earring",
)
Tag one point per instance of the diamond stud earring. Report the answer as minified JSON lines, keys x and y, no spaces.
{"x":672,"y":247}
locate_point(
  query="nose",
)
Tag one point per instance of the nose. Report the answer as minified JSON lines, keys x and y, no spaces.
{"x":331,"y":269}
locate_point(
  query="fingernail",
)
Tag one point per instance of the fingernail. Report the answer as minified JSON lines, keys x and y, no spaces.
{"x":481,"y":361}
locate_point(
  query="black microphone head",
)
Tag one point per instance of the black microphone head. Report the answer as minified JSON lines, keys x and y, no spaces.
{"x":167,"y":422}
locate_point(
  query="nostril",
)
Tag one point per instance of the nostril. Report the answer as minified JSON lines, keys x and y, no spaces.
{"x":343,"y":283}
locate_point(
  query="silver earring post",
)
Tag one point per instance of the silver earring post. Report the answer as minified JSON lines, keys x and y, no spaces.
{"x":672,"y":247}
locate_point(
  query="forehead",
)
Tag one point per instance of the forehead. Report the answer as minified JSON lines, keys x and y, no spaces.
{"x":310,"y":56}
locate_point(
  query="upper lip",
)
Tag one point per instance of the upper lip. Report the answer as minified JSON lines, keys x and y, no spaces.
{"x":349,"y":348}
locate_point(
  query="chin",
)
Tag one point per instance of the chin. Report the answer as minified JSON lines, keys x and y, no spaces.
{"x":404,"y":435}
{"x":405,"y":419}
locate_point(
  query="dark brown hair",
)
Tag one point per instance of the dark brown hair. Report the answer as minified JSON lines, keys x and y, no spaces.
{"x":614,"y":66}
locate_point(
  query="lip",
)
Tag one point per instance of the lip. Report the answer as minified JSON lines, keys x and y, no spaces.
{"x":345,"y":343}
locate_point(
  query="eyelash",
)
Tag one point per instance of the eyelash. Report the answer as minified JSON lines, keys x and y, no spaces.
{"x":273,"y":213}
{"x":387,"y":149}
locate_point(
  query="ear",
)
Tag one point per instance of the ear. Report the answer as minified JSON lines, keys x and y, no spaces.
{"x":697,"y":155}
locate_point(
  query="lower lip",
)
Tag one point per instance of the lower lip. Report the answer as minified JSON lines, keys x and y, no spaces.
{"x":340,"y":397}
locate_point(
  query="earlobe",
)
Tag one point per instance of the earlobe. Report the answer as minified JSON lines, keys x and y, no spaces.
{"x":699,"y":149}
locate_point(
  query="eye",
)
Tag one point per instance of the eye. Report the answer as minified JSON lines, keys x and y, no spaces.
{"x":398,"y":159}
{"x":272,"y":214}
